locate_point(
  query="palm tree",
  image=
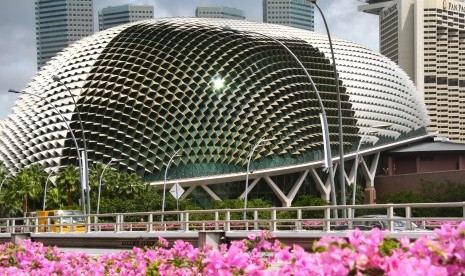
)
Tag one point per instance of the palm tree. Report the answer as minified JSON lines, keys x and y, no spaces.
{"x":3,"y":170}
{"x":130,"y":185}
{"x":56,"y":198}
{"x":68,"y":180}
{"x":27,"y":185}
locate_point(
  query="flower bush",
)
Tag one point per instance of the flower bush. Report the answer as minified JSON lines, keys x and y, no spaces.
{"x":357,"y":254}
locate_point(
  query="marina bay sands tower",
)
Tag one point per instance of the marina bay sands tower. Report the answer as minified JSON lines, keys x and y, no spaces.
{"x":426,"y":38}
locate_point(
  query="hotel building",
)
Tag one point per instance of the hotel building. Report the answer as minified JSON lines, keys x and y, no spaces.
{"x":59,"y":23}
{"x":219,"y":12}
{"x":293,"y":13}
{"x":426,"y":38}
{"x":113,"y":16}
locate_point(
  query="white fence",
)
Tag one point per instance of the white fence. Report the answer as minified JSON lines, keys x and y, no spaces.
{"x":311,"y":218}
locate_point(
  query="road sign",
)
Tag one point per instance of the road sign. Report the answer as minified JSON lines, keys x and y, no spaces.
{"x":173,"y":191}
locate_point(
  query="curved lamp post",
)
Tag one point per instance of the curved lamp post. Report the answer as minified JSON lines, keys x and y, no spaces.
{"x":341,"y":140}
{"x":85,"y":170}
{"x":3,"y":181}
{"x":258,"y":144}
{"x":164,"y":184}
{"x":45,"y":189}
{"x":70,"y":131}
{"x":324,"y":120}
{"x":100,"y":183}
{"x":370,"y":130}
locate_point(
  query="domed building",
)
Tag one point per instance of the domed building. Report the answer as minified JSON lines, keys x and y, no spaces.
{"x":211,"y":90}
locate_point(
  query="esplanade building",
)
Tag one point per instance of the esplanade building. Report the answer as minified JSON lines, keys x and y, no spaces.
{"x":223,"y":95}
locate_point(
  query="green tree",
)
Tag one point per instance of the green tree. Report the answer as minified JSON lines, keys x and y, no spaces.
{"x":56,"y":199}
{"x":3,"y":171}
{"x":68,"y":181}
{"x":27,"y":185}
{"x":8,"y":206}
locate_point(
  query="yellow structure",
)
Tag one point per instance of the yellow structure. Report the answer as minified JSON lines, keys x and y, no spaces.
{"x":61,"y":221}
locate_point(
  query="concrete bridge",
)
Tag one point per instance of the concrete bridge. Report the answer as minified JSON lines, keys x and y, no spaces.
{"x":291,"y":225}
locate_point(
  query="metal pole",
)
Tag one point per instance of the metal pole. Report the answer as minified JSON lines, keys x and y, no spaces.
{"x":100,"y":184}
{"x":69,"y":129}
{"x":339,"y":109}
{"x":45,"y":190}
{"x":164,"y":185}
{"x":3,"y":181}
{"x":86,"y":178}
{"x":258,"y":144}
{"x":84,"y":144}
{"x":177,"y":199}
{"x":325,"y":129}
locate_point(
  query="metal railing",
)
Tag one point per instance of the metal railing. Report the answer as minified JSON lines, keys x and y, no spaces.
{"x":311,"y":218}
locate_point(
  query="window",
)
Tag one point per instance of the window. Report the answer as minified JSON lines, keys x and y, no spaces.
{"x":430,"y":79}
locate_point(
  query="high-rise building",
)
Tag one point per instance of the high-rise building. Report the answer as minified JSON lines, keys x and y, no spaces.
{"x":60,"y":23}
{"x":113,"y":16}
{"x":427,"y":39}
{"x":219,"y":12}
{"x":294,"y":13}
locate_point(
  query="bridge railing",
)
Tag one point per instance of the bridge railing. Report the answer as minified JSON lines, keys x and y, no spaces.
{"x":310,"y":218}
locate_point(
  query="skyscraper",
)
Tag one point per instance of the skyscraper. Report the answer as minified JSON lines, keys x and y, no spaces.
{"x":114,"y":16}
{"x":60,"y":23}
{"x":219,"y":12}
{"x":427,"y":39}
{"x":294,"y":13}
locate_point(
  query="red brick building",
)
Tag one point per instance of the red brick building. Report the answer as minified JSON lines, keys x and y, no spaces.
{"x":403,"y":169}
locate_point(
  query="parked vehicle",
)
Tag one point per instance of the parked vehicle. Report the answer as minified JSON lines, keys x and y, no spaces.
{"x":67,"y":220}
{"x":369,"y":222}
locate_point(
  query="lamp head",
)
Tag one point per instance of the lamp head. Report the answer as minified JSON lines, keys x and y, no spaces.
{"x":116,"y":160}
{"x":382,"y":126}
{"x":14,"y":91}
{"x":55,"y":78}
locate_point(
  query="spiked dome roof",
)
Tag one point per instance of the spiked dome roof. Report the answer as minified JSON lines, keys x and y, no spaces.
{"x":149,"y":88}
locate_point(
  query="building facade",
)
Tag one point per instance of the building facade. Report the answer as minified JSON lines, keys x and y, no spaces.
{"x":427,"y":39}
{"x":59,"y":23}
{"x":293,"y":13}
{"x":219,"y":12}
{"x":113,"y":16}
{"x":406,"y":168}
{"x":149,"y":89}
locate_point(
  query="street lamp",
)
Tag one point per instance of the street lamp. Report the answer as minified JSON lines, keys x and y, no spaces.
{"x":324,"y":121}
{"x":339,"y":115}
{"x":369,"y":131}
{"x":3,"y":181}
{"x":100,"y":182}
{"x":45,"y":189}
{"x":85,"y":170}
{"x":70,"y":131}
{"x":258,"y":144}
{"x":164,"y":184}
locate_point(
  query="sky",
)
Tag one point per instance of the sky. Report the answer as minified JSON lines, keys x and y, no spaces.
{"x":18,"y":45}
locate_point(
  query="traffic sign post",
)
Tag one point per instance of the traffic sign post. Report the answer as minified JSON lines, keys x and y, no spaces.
{"x":177,"y":192}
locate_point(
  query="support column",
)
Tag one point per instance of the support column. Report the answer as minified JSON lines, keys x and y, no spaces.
{"x":285,"y":201}
{"x":18,"y":237}
{"x":370,"y":195}
{"x":212,"y":239}
{"x":324,"y":189}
